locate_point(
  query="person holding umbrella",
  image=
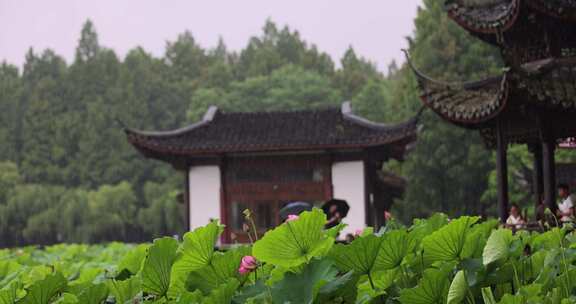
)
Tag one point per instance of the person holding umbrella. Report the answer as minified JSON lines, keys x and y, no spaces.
{"x":335,"y":210}
{"x":294,"y":208}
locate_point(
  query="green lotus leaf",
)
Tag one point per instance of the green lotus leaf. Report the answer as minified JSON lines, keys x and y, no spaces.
{"x":498,"y":246}
{"x":425,"y":227}
{"x":488,"y":296}
{"x":223,"y":294}
{"x":458,"y":288}
{"x":157,"y":266}
{"x":132,"y":261}
{"x":8,"y":293}
{"x":196,"y":252}
{"x":335,"y":231}
{"x":43,"y":291}
{"x":382,"y":281}
{"x":222,"y":267}
{"x":254,"y":292}
{"x":512,"y":299}
{"x":124,"y":291}
{"x":8,"y":271}
{"x":186,"y":297}
{"x":359,"y":256}
{"x":432,"y":289}
{"x":94,"y":294}
{"x":296,"y":242}
{"x":447,"y":243}
{"x":303,"y":287}
{"x":395,"y":245}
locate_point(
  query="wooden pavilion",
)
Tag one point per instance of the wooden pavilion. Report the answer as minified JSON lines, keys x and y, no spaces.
{"x":265,"y":160}
{"x":533,"y":101}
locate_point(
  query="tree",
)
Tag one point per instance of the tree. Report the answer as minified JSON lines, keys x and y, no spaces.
{"x":277,"y":48}
{"x":9,"y":179}
{"x":88,"y":46}
{"x":448,"y":169}
{"x":44,"y":103}
{"x":355,"y":74}
{"x":10,"y":94}
{"x":289,"y":87}
{"x":185,"y":58}
{"x":71,"y":170}
{"x":112,"y":213}
{"x":163,"y":215}
{"x":373,"y":101}
{"x":25,"y":203}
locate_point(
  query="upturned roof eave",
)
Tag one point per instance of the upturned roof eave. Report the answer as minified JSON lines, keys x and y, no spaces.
{"x":155,"y":144}
{"x":461,"y":117}
{"x":166,"y":150}
{"x":475,"y":15}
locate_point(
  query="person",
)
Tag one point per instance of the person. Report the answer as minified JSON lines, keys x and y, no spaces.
{"x":565,"y":204}
{"x":387,"y":216}
{"x":350,"y":238}
{"x":335,"y":210}
{"x":334,"y":217}
{"x":515,"y":220}
{"x":541,"y":211}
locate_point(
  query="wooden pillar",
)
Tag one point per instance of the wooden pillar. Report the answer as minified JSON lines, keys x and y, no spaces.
{"x":187,"y":198}
{"x":369,"y":171}
{"x":502,"y":172}
{"x":549,"y":174}
{"x":537,"y":177}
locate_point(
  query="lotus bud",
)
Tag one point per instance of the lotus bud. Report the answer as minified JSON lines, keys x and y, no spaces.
{"x":243,"y":270}
{"x":249,"y":262}
{"x":292,"y":217}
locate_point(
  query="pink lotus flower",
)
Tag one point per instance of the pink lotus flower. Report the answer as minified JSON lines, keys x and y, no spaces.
{"x":247,"y":264}
{"x":358,"y":232}
{"x":292,"y":217}
{"x":243,"y":270}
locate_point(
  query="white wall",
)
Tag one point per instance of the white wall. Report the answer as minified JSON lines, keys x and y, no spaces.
{"x":348,"y":184}
{"x":204,"y":185}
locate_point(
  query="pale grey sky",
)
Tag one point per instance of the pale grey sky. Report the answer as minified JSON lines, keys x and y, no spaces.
{"x":375,"y":28}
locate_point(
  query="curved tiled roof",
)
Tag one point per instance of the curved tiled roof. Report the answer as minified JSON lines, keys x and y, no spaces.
{"x":516,"y":25}
{"x":483,"y":16}
{"x":550,"y":82}
{"x":547,"y":83}
{"x":536,"y":93}
{"x":493,"y":16}
{"x":221,"y":132}
{"x":564,"y":9}
{"x":467,"y":103}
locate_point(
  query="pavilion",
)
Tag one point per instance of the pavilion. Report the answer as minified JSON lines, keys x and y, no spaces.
{"x":264,"y":160}
{"x":533,"y":101}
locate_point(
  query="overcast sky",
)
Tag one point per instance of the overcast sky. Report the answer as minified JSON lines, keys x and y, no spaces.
{"x":375,"y":28}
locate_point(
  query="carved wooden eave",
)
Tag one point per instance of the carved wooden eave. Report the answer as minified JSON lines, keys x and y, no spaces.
{"x":526,"y":98}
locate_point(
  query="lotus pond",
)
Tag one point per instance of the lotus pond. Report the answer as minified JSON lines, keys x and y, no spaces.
{"x":465,"y":260}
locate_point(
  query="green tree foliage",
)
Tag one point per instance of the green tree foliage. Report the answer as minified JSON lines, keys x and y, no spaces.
{"x":10,"y":92}
{"x":355,"y":74}
{"x":276,"y":48}
{"x":448,"y":169}
{"x":73,"y":177}
{"x":374,"y":100}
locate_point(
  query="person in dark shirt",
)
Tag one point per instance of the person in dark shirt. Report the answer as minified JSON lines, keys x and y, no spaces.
{"x":334,"y":217}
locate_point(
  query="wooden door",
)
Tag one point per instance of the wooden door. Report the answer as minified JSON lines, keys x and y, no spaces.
{"x":266,"y":185}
